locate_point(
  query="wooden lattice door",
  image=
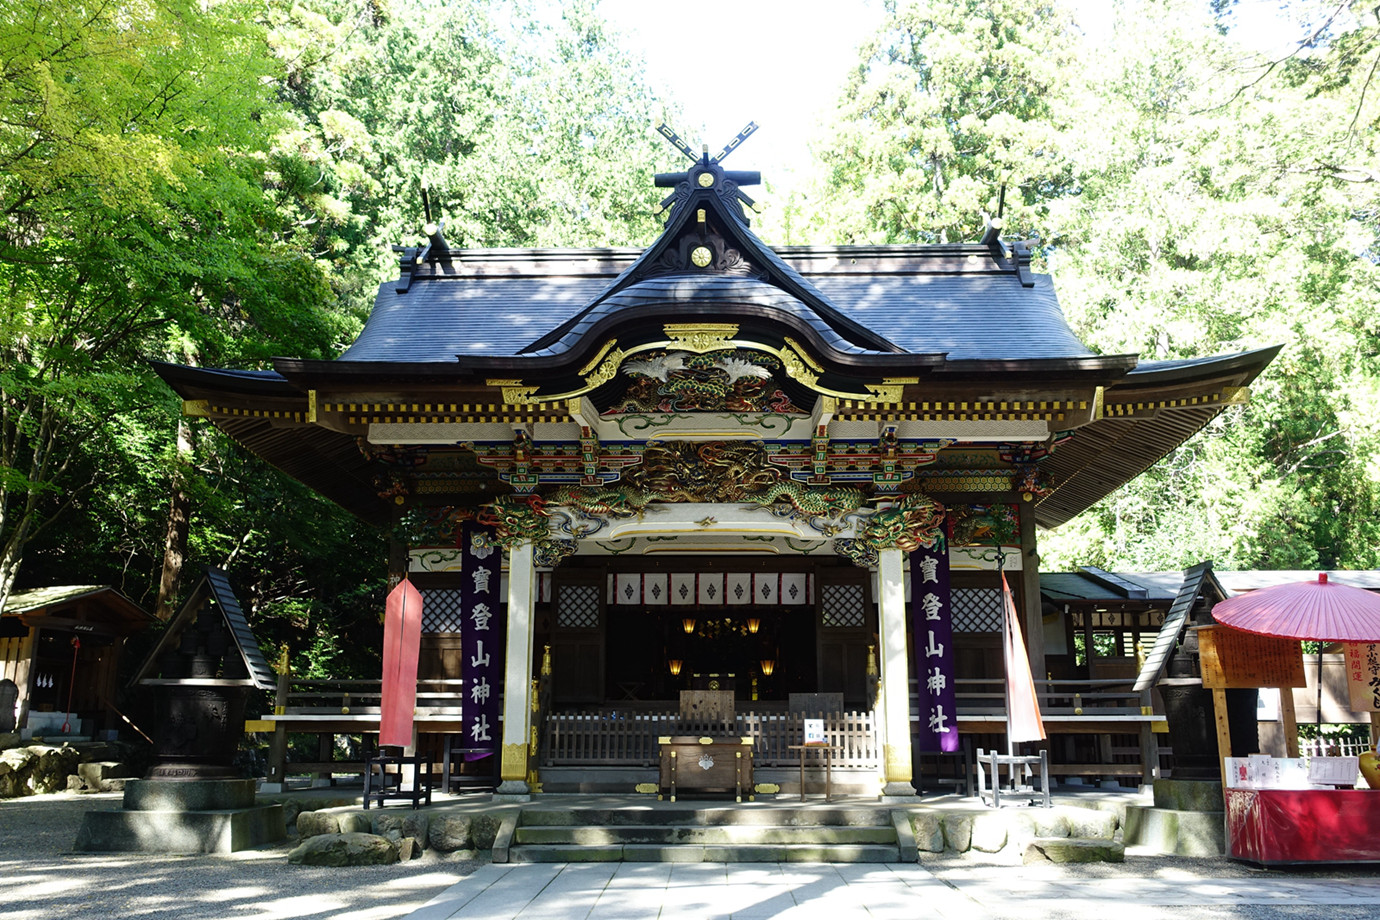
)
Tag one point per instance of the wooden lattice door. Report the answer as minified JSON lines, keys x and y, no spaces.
{"x":577,"y":638}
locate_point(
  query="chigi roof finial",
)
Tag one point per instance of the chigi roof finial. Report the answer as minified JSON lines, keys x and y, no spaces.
{"x":707,"y":173}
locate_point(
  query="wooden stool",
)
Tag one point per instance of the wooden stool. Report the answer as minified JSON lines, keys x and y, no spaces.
{"x":383,"y":778}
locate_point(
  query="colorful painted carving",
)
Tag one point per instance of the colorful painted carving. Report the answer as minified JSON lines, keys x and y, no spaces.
{"x":985,"y":525}
{"x":913,"y":522}
{"x":1033,"y":482}
{"x":829,"y":502}
{"x":732,"y":380}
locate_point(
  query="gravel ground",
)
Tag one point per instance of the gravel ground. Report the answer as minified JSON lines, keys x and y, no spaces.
{"x":43,"y":878}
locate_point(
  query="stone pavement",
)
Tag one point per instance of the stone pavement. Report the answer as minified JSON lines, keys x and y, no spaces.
{"x":698,"y":891}
{"x":704,"y":891}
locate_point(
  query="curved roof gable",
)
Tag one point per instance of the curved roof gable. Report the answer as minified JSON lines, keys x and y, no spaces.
{"x":706,"y":217}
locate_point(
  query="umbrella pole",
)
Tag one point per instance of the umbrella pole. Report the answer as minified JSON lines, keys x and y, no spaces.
{"x":1317,"y":720}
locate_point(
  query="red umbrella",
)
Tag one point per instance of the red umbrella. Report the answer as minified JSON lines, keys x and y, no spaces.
{"x":1317,"y":610}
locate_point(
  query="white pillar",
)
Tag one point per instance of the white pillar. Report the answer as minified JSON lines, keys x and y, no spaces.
{"x":517,"y":670}
{"x":895,"y":695}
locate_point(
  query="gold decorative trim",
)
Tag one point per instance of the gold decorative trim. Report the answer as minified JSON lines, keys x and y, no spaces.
{"x":203,"y":408}
{"x":804,"y":355}
{"x":515,"y":392}
{"x":646,"y":788}
{"x":766,"y":789}
{"x":799,"y":367}
{"x":700,"y":337}
{"x":1227,"y":396}
{"x":514,"y":765}
{"x":606,"y":371}
{"x":598,"y":356}
{"x":886,"y":393}
{"x":959,"y":411}
{"x":311,"y":406}
{"x":897,"y":761}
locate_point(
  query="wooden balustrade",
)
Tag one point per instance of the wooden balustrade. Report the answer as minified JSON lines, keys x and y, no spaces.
{"x":626,"y":737}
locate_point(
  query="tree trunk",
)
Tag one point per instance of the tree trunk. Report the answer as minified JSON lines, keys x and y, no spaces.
{"x":179,"y":521}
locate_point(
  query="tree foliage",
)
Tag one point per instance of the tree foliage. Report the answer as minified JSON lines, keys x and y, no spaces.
{"x":219,"y":183}
{"x":1193,"y":196}
{"x":129,"y":140}
{"x":950,"y":102}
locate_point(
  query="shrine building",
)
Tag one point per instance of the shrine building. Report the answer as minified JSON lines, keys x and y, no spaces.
{"x":796,"y":474}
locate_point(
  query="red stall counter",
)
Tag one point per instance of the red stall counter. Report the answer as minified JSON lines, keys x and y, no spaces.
{"x":1285,"y":826}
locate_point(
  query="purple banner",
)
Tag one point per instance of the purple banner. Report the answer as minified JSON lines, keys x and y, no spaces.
{"x":481,"y":632}
{"x":934,"y":653}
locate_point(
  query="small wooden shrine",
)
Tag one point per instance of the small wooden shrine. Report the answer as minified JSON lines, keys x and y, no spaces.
{"x":61,"y":646}
{"x":711,"y":464}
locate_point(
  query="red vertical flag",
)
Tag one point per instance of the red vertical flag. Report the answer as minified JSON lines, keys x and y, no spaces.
{"x":1023,"y":722}
{"x":402,"y":640}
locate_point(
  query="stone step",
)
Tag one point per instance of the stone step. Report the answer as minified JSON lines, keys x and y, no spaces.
{"x":710,"y":817}
{"x":1073,"y":850}
{"x":738,"y":835}
{"x":724,"y":853}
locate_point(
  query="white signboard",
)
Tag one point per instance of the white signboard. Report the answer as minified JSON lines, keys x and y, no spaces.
{"x":814,"y":731}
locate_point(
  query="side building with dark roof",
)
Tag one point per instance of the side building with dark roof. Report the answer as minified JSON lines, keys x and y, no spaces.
{"x":711,"y":463}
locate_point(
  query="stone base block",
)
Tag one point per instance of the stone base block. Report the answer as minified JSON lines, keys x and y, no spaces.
{"x":1189,"y":795}
{"x":180,"y":832}
{"x":1175,"y":831}
{"x":189,"y":794}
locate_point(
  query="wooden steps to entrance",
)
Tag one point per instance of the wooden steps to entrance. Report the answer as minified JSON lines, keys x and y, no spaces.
{"x":713,"y":834}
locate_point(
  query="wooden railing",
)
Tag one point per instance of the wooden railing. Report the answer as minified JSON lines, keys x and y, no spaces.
{"x":362,"y":697}
{"x":628,"y":737}
{"x":977,"y":697}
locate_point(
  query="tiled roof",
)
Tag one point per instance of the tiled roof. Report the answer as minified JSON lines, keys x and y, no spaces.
{"x":968,"y":316}
{"x":440,"y":318}
{"x":688,"y":290}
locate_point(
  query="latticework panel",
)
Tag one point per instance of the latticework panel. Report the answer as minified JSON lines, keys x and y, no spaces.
{"x":442,"y":611}
{"x":577,"y":607}
{"x":843,"y":606}
{"x":976,"y":609}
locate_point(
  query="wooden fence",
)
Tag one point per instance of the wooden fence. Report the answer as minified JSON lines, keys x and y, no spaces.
{"x":622,"y":737}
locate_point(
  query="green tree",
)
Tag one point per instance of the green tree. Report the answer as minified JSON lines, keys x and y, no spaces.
{"x":130,"y":161}
{"x":1229,"y":201}
{"x":951,"y":101}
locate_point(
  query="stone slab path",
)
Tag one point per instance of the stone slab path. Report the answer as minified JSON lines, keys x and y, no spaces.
{"x":641,"y":891}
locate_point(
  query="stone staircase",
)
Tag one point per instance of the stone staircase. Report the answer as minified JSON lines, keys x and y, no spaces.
{"x":687,"y":834}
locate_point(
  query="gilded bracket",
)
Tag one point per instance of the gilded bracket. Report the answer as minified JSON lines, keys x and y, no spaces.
{"x":700,"y":337}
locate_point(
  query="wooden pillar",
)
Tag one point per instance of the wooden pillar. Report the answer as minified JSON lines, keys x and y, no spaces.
{"x":1219,"y":708}
{"x":277,"y":748}
{"x":517,"y":669}
{"x":894,"y":718}
{"x":1030,"y":589}
{"x":1289,"y":723}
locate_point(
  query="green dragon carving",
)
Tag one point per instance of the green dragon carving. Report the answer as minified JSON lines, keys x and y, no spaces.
{"x":615,"y":501}
{"x":913,"y":522}
{"x":822,"y":502}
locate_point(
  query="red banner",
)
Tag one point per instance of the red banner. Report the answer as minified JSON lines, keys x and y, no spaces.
{"x":1022,"y":707}
{"x":402,"y":640}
